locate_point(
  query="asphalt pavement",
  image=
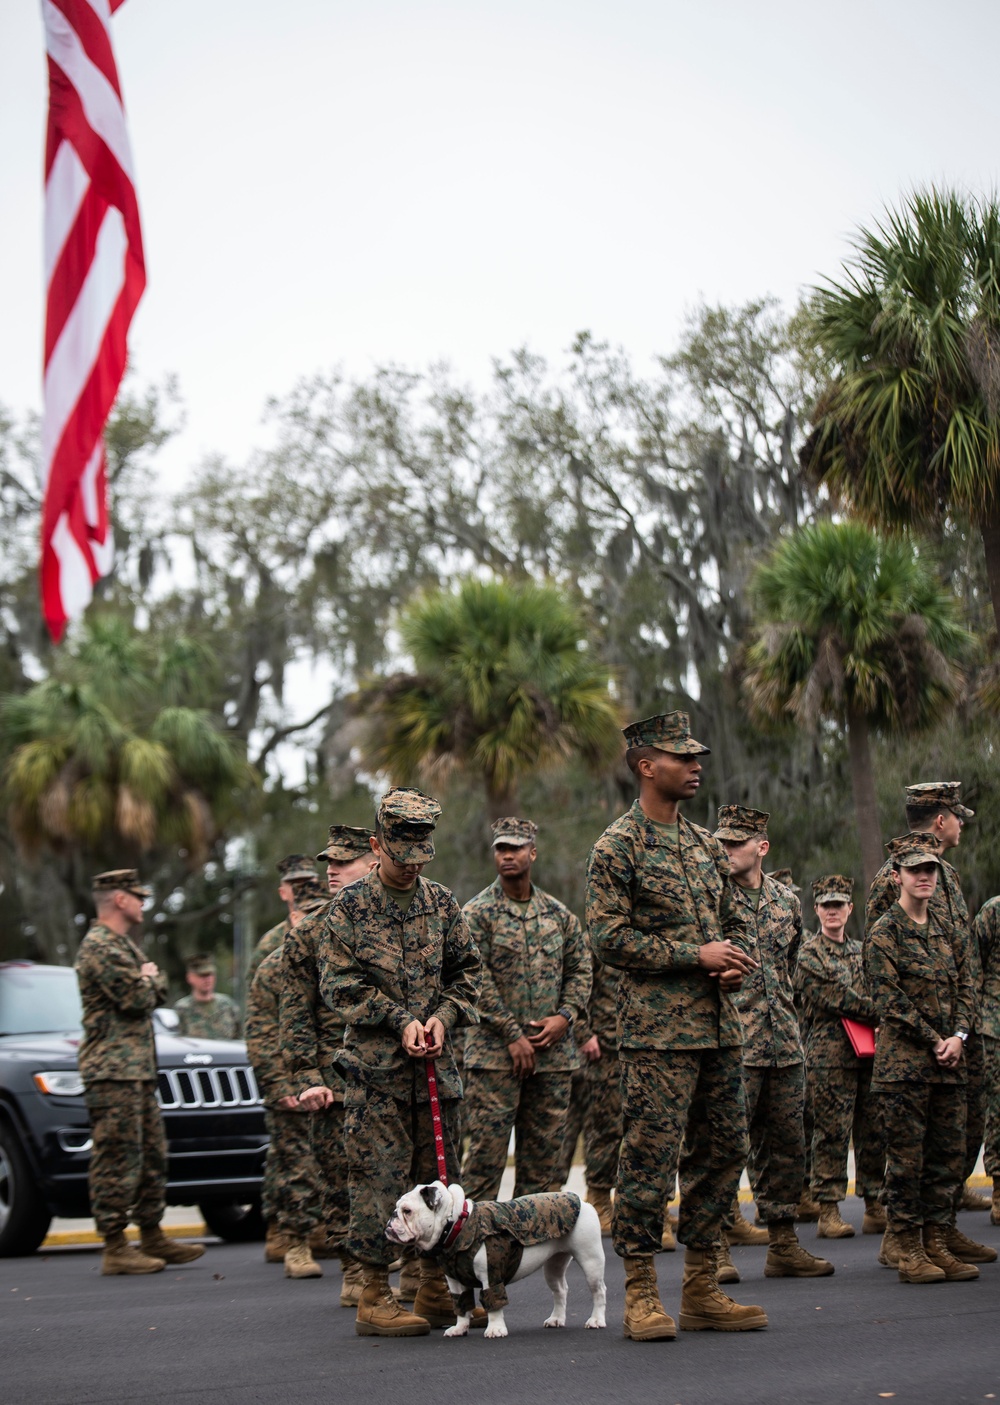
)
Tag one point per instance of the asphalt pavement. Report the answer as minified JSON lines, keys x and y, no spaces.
{"x":232,"y":1330}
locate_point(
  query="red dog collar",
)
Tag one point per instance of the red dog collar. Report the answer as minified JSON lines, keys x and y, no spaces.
{"x":456,"y":1229}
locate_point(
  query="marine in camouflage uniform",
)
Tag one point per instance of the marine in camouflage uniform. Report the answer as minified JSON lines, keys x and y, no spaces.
{"x":290,"y":869}
{"x":830,"y":986}
{"x":312,"y":1035}
{"x":398,"y":967}
{"x":293,"y":1193}
{"x":773,"y":1057}
{"x":119,"y":990}
{"x":936,"y":807}
{"x":205,"y":1014}
{"x":986,"y":930}
{"x":520,"y":1058}
{"x":596,"y":1106}
{"x":661,"y":910}
{"x":922,"y":985}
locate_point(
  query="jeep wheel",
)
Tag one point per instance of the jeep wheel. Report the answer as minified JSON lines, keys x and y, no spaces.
{"x":24,"y":1216}
{"x":239,"y":1224}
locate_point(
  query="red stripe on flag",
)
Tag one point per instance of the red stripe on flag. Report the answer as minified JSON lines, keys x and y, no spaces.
{"x":94,"y":38}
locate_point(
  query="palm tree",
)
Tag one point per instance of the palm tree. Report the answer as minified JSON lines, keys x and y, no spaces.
{"x":101,"y":758}
{"x":908,"y":429}
{"x":504,"y":684}
{"x":856,"y":629}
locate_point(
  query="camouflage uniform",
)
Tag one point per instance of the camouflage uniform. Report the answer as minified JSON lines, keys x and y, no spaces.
{"x":829,"y":980}
{"x":535,"y":963}
{"x":949,"y":908}
{"x":923,"y":990}
{"x":218,"y":1018}
{"x":128,"y":1162}
{"x":986,"y":930}
{"x":506,"y":1229}
{"x":270,"y":941}
{"x":294,"y":868}
{"x":596,"y":1099}
{"x":381,"y":968}
{"x":311,"y":1036}
{"x":651,"y":904}
{"x":292,"y":1195}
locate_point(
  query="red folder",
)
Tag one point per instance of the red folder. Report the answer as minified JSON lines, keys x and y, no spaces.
{"x":862,"y":1037}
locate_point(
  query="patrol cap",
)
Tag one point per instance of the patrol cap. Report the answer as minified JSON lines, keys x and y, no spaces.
{"x":739,"y":822}
{"x":346,"y":842}
{"x":123,"y":880}
{"x":514,"y":831}
{"x":200,"y":965}
{"x":834,"y":888}
{"x":931,"y":795}
{"x":296,"y":866}
{"x":305,"y":888}
{"x":784,"y":876}
{"x":671,"y":731}
{"x":914,"y":848}
{"x":406,"y":819}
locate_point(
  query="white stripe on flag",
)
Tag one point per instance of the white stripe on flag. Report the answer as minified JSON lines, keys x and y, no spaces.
{"x":75,"y":353}
{"x":64,"y":191}
{"x":75,"y":585}
{"x":100,"y":101}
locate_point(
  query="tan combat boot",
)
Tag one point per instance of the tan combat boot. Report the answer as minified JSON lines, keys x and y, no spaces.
{"x":409,"y":1281}
{"x":936,"y":1248}
{"x":350,"y":1288}
{"x":786,"y":1257}
{"x":645,"y":1320}
{"x":434,"y":1302}
{"x":323,"y":1244}
{"x":741,"y":1231}
{"x":807,"y":1210}
{"x":913,"y":1265}
{"x":121,"y":1257}
{"x":600,"y":1198}
{"x":704,"y":1308}
{"x":668,"y":1241}
{"x":972,"y":1200}
{"x":995,"y":1210}
{"x":725,"y":1270}
{"x":888,"y":1253}
{"x":967,"y":1249}
{"x":299,"y":1262}
{"x":831,"y":1226}
{"x":158,"y":1246}
{"x":275,"y":1245}
{"x":379,"y":1314}
{"x":874,"y":1221}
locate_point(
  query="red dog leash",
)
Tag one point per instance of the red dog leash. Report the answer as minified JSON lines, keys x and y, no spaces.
{"x":436,"y":1123}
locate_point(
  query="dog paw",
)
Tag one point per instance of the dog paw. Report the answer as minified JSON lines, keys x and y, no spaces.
{"x":595,"y":1322}
{"x":554,"y":1321}
{"x":498,"y":1331}
{"x":456,"y":1331}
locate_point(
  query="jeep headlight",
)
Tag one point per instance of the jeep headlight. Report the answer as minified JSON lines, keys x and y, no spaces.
{"x":66,"y":1083}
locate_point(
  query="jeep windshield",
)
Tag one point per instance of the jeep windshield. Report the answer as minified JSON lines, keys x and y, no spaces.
{"x":38,"y":999}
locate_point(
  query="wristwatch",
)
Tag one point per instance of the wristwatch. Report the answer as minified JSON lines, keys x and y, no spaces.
{"x":566,"y":1014}
{"x":962,"y":1034}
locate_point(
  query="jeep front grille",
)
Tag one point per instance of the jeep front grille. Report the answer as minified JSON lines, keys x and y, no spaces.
{"x":206,"y":1087}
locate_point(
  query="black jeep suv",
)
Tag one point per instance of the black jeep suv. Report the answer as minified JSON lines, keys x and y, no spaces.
{"x":212,"y":1114}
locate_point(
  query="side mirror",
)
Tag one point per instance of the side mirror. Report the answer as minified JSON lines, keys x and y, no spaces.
{"x":168,"y":1020}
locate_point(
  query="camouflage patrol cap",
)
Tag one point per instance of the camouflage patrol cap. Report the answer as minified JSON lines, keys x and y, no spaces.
{"x":406,"y":818}
{"x":671,"y":731}
{"x":784,"y":876}
{"x":914,"y":848}
{"x":834,"y":888}
{"x":739,"y":822}
{"x":120,"y":880}
{"x":931,"y":795}
{"x":296,"y":866}
{"x":346,"y":842}
{"x":200,"y":965}
{"x":305,"y":888}
{"x":514,"y":831}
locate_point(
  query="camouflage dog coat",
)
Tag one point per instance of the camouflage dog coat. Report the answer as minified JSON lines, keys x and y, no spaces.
{"x":506,"y":1228}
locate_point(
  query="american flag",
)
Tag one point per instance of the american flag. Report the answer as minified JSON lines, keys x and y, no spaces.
{"x":94,"y":278}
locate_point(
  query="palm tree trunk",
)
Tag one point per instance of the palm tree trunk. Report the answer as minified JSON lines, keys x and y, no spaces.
{"x":865,"y":803}
{"x":500,"y":800}
{"x":990,"y":528}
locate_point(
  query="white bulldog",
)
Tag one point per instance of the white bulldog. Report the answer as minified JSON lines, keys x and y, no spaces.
{"x":493,"y":1243}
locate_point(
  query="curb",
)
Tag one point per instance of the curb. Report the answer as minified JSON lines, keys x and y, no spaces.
{"x":61,"y":1239}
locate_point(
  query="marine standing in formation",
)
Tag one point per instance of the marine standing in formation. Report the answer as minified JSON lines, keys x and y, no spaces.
{"x":520,"y":1057}
{"x":291,"y":869}
{"x":986,"y":931}
{"x":120,"y":989}
{"x":661,"y":909}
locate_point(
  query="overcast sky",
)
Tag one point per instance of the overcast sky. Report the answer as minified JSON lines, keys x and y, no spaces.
{"x":325,"y":184}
